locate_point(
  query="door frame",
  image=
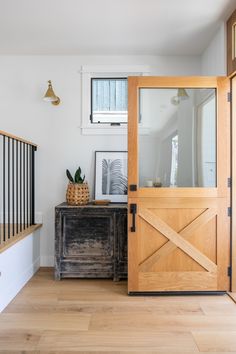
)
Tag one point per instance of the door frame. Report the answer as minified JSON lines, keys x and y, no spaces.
{"x":223,"y":146}
{"x":233,"y":184}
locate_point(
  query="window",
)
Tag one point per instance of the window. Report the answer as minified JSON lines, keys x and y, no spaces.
{"x":109,"y":100}
{"x":105,"y":96}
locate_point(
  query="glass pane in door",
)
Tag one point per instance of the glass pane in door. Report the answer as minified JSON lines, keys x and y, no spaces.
{"x":177,"y":148}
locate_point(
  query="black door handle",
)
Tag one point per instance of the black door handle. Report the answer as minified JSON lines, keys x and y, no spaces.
{"x":133,"y":211}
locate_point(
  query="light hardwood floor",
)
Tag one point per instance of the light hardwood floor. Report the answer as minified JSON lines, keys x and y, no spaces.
{"x":233,"y":296}
{"x":96,"y":316}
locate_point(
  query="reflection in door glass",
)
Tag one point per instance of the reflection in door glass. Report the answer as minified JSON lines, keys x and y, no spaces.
{"x":174,"y":161}
{"x":180,"y":147}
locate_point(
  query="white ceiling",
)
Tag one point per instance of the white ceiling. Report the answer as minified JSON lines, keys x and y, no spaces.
{"x":114,"y":27}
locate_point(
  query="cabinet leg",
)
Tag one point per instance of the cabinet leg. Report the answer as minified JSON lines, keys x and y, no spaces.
{"x":57,"y":275}
{"x":116,"y":278}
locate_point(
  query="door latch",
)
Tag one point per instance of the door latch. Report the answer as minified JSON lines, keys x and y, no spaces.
{"x":133,"y":211}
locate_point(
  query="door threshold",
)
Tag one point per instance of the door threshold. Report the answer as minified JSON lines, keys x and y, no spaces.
{"x":174,"y":293}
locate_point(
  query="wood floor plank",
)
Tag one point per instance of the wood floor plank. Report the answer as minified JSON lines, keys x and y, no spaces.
{"x":101,"y":307}
{"x":74,"y":296}
{"x":219,"y":299}
{"x":122,"y":341}
{"x":223,"y":309}
{"x":62,"y":352}
{"x":97,"y":316}
{"x":233,"y":296}
{"x":143,"y":351}
{"x":45,"y":321}
{"x":213,"y":341}
{"x":178,"y":323}
{"x":15,"y":340}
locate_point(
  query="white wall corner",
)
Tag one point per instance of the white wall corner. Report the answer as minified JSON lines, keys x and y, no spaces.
{"x":47,"y":261}
{"x":39,"y":218}
{"x":213,"y":59}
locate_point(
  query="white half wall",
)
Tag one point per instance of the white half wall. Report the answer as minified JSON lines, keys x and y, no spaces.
{"x":213,"y":60}
{"x":56,"y":129}
{"x":17,"y":265}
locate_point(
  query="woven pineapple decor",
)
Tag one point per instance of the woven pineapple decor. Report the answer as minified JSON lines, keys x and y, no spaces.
{"x":77,"y":193}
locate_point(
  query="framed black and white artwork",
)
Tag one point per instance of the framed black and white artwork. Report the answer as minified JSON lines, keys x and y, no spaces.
{"x":111,"y":176}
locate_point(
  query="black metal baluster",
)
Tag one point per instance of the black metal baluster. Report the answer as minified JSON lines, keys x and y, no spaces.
{"x":24,"y":186}
{"x":27,"y":184}
{"x":20,"y":186}
{"x":17,"y":189}
{"x":33,"y":185}
{"x":13,"y":187}
{"x":4,"y":188}
{"x":30,"y":183}
{"x":8,"y":189}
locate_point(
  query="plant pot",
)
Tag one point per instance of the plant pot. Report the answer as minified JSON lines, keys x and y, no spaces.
{"x":77,"y":193}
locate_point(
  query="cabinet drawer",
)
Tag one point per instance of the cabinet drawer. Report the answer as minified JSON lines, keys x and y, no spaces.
{"x":86,"y":270}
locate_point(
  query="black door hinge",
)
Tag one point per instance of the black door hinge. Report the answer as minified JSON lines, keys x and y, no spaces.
{"x":229,"y":96}
{"x":229,"y":211}
{"x":229,"y":182}
{"x":133,"y":187}
{"x":229,"y":271}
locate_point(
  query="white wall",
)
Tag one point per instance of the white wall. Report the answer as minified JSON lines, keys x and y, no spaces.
{"x":213,"y":60}
{"x":23,"y":81}
{"x":17,"y":265}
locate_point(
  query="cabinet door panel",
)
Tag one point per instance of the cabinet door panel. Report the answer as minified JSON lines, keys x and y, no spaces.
{"x":87,"y":235}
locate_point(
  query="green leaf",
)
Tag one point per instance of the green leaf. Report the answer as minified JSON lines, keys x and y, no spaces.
{"x":69,"y":176}
{"x":78,"y":178}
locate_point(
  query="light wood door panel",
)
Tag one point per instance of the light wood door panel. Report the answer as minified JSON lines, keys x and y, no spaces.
{"x":182,"y":236}
{"x":177,"y":248}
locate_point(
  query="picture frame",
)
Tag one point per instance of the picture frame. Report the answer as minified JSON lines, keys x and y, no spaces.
{"x":111,"y":176}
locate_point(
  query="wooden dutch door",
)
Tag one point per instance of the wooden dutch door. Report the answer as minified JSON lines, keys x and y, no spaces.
{"x":178,"y":193}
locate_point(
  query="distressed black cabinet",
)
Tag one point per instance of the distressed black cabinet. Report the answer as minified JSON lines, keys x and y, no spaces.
{"x":91,"y":241}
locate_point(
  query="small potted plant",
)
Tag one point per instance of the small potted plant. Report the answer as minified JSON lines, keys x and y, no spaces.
{"x":77,"y":190}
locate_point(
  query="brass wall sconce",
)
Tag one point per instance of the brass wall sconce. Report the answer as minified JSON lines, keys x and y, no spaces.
{"x":50,"y":95}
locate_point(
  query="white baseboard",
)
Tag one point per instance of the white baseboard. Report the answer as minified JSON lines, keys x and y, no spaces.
{"x":47,"y":261}
{"x":8,"y":294}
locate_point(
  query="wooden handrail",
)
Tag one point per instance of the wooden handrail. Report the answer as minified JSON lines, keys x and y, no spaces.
{"x":17,"y":138}
{"x":18,"y":237}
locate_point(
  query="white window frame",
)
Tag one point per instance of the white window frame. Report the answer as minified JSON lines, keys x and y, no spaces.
{"x":92,"y":71}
